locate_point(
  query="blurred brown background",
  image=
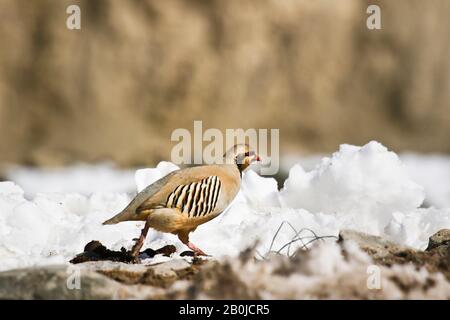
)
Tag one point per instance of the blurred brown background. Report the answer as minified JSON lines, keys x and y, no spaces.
{"x":139,"y":69}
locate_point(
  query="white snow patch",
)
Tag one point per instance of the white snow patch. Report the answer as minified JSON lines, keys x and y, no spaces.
{"x":433,"y":173}
{"x":363,"y":185}
{"x":145,"y":177}
{"x":82,"y":178}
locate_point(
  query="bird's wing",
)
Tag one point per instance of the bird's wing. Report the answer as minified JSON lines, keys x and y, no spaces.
{"x":130,"y":211}
{"x":196,"y":197}
{"x":191,"y":190}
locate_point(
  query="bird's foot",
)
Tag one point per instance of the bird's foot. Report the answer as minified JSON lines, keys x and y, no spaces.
{"x":136,"y":260}
{"x":139,"y":243}
{"x":197,"y":250}
{"x":135,"y":256}
{"x":135,"y":252}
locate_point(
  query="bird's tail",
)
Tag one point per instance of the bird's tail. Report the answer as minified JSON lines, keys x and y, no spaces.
{"x":121,"y":216}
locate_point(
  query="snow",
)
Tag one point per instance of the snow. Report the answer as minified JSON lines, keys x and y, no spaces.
{"x":365,"y":188}
{"x":364,"y":185}
{"x":81,"y":178}
{"x":145,"y":177}
{"x":433,"y":173}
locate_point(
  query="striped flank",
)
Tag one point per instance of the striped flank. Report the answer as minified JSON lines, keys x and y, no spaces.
{"x":197,"y":198}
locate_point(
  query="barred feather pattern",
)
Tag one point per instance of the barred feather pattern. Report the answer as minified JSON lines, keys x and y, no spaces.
{"x":197,"y":198}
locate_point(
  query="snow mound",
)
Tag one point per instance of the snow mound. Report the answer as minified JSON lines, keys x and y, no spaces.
{"x":364,"y":184}
{"x":364,"y":188}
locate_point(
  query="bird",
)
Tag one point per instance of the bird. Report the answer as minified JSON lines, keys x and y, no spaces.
{"x":186,"y":198}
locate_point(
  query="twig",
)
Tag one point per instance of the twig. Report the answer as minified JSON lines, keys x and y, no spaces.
{"x":294,"y":239}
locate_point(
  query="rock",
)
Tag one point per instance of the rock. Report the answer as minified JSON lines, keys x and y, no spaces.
{"x":98,"y":280}
{"x":326,"y":270}
{"x":161,"y":275}
{"x":376,"y":247}
{"x":57,"y":282}
{"x":436,"y":258}
{"x":440,"y":238}
{"x":220,"y":281}
{"x":113,"y":266}
{"x":95,"y":251}
{"x":187,"y":254}
{"x":167,"y":250}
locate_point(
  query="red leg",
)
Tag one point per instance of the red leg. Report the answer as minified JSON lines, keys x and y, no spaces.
{"x":184,"y":237}
{"x":196,"y":249}
{"x":139,"y":243}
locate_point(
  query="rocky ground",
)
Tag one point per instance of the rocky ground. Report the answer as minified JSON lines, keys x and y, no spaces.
{"x":357,"y":266}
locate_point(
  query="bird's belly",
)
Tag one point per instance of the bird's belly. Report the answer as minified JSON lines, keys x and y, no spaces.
{"x":166,"y":220}
{"x":172,"y":220}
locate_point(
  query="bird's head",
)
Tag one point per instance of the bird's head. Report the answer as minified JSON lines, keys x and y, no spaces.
{"x":241,"y":155}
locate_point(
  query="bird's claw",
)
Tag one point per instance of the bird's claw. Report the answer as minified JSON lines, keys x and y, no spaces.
{"x":197,"y":251}
{"x":136,"y":260}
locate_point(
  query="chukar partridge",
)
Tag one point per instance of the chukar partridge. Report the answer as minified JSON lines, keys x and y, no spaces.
{"x":184,"y":199}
